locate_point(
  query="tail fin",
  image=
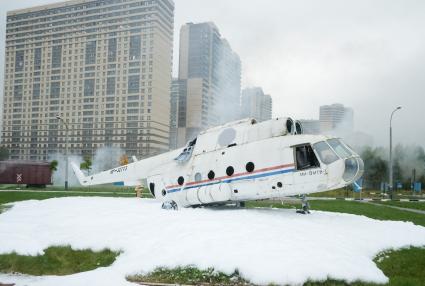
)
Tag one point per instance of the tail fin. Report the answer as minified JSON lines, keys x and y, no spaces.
{"x":80,"y":175}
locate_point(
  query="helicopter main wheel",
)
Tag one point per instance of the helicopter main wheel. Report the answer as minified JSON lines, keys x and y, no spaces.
{"x":170,"y":205}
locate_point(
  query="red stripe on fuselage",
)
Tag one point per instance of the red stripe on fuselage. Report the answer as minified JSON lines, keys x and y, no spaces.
{"x":235,"y":175}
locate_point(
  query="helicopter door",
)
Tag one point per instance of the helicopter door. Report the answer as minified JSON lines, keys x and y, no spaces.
{"x":308,"y":175}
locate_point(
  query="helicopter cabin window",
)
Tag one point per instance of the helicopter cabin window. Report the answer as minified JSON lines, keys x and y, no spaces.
{"x":305,"y":157}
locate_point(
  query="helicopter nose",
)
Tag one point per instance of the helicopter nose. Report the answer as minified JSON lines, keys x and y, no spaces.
{"x":354,"y":168}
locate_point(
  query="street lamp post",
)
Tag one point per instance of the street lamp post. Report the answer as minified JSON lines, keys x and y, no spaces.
{"x":391,"y":152}
{"x":66,"y":150}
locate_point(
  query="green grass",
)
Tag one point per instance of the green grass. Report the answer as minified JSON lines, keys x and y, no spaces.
{"x":57,"y":260}
{"x":402,"y":267}
{"x":104,"y":188}
{"x":408,"y":205}
{"x":367,"y":193}
{"x":189,"y":275}
{"x":351,"y":207}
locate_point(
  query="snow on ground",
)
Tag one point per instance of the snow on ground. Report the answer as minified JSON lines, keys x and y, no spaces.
{"x":266,"y":245}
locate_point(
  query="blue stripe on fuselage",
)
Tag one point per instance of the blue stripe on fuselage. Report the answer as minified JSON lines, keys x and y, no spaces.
{"x":233,"y":179}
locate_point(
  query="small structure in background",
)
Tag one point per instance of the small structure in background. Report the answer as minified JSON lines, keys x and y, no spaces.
{"x":30,"y":173}
{"x":138,"y":190}
{"x":417,"y":187}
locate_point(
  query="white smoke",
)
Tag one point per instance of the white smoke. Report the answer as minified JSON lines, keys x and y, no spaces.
{"x":104,"y":159}
{"x":59,"y":174}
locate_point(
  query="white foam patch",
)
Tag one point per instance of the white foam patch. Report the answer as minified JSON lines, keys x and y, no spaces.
{"x":266,"y":245}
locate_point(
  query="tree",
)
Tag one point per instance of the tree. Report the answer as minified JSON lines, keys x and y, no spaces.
{"x":54,"y":166}
{"x":123,"y":160}
{"x":4,"y":153}
{"x":86,"y":165}
{"x":375,"y":168}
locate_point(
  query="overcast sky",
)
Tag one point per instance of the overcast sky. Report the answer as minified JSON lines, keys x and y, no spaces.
{"x":369,"y":55}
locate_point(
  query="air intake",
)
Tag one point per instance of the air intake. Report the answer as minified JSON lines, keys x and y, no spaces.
{"x":298,"y":127}
{"x":290,"y":126}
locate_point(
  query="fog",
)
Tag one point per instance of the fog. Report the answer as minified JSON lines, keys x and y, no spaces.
{"x":368,"y":55}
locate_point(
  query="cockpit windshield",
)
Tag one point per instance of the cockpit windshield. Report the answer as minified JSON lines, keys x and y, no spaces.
{"x":326,"y":154}
{"x":339,"y":148}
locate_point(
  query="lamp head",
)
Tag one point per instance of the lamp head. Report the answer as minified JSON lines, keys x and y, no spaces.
{"x":398,"y":107}
{"x":58,"y":117}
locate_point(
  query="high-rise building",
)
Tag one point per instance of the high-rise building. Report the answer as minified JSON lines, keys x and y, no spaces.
{"x":176,"y":86}
{"x":211,"y":74}
{"x":103,"y":65}
{"x":310,"y":126}
{"x":256,"y":104}
{"x":335,"y":116}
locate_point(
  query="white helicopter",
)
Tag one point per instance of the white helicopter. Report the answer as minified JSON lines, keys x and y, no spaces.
{"x":238,"y":162}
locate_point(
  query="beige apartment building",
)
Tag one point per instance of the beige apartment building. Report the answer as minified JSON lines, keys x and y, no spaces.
{"x":336,"y":116}
{"x":104,"y":66}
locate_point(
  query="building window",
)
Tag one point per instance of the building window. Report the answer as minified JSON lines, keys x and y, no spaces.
{"x":110,"y":86}
{"x":89,"y":87}
{"x":19,"y":61}
{"x":55,"y":88}
{"x":36,"y":90}
{"x":37,"y":59}
{"x":112,"y":50}
{"x":133,"y":84}
{"x":17,"y":91}
{"x":135,"y":45}
{"x":56,"y":57}
{"x":90,"y":53}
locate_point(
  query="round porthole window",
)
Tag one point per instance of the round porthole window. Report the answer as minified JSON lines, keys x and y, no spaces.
{"x":249,"y":167}
{"x":211,"y":175}
{"x":198,"y":177}
{"x":230,"y":171}
{"x":180,"y":180}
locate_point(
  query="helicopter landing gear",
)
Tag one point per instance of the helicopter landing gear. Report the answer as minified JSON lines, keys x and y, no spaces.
{"x":305,"y":206}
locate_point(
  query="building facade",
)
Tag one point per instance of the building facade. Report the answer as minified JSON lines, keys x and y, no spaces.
{"x":176,"y":90}
{"x":335,"y":116}
{"x":104,"y":66}
{"x":256,"y":104}
{"x":310,"y":126}
{"x":211,"y":74}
